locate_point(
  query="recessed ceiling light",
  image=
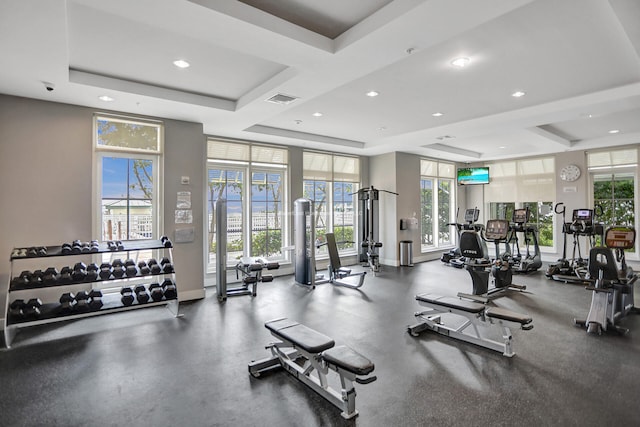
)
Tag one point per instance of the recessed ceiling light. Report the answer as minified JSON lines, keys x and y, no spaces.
{"x":317,"y":114}
{"x":612,"y":131}
{"x":518,"y":94}
{"x":105,"y":98}
{"x":372,"y":93}
{"x":460,"y":62}
{"x":502,"y":147}
{"x":181,"y":63}
{"x":298,"y":121}
{"x":438,"y":114}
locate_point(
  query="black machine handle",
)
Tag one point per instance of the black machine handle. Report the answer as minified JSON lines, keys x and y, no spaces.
{"x":366,"y":380}
{"x":558,"y":205}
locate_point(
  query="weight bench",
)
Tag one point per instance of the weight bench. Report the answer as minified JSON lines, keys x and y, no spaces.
{"x":309,"y":355}
{"x":445,"y":314}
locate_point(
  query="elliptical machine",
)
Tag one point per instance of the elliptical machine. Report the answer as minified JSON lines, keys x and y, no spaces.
{"x":480,"y":266}
{"x":583,"y":224}
{"x":470,"y":223}
{"x":612,"y":291}
{"x":530,"y":262}
{"x":562,"y":266}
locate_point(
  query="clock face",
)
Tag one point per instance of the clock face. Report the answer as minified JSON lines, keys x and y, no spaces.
{"x":570,"y":173}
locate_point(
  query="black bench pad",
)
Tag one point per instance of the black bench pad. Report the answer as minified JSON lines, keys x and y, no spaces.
{"x":451,"y":302}
{"x":348,"y":359}
{"x":504,"y":314}
{"x":303,"y":337}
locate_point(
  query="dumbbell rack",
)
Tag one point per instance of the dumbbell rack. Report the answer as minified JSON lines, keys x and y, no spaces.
{"x":50,"y":312}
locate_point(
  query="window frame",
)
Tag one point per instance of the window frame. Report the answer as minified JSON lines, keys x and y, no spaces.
{"x":440,"y":172}
{"x":100,"y":152}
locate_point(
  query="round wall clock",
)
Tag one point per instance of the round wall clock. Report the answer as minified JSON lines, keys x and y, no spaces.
{"x":570,"y":173}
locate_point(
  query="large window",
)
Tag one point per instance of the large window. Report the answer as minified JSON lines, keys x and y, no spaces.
{"x":613,"y":175}
{"x":126,"y":180}
{"x":331,"y":182}
{"x":437,"y":199}
{"x":252,"y":179}
{"x":521,"y":184}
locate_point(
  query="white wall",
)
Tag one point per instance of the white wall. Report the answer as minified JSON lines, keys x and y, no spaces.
{"x":383,"y":176}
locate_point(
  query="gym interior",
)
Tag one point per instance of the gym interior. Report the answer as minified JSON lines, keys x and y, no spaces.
{"x":297,"y":264}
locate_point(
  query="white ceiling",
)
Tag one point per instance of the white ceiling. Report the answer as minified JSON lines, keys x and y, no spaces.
{"x":577,"y":60}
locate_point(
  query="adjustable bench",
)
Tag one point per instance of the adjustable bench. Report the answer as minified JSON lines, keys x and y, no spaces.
{"x":308,"y":355}
{"x":443,"y":309}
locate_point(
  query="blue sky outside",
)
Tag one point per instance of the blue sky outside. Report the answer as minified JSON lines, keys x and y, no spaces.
{"x":116,"y":172}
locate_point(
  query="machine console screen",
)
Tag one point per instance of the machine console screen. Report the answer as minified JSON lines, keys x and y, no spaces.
{"x":620,"y":238}
{"x":496,"y":229}
{"x":583,"y":215}
{"x":471,"y":215}
{"x":521,"y":216}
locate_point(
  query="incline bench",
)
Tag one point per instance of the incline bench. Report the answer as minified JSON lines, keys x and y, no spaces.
{"x":475,"y":314}
{"x":308,"y":355}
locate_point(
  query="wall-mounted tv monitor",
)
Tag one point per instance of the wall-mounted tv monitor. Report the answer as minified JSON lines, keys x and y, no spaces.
{"x":469,"y":176}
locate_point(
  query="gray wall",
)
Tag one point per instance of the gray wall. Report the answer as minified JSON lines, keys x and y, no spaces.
{"x":46,"y":175}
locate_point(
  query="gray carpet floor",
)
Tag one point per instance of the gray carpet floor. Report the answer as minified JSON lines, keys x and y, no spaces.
{"x":147,"y":368}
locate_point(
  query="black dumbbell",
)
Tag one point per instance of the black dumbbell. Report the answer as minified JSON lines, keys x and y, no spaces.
{"x":169,"y":289}
{"x":141,"y":294}
{"x":50,"y":276}
{"x":82,"y":301}
{"x":31,"y":252}
{"x":76,"y":247}
{"x":65,"y":275}
{"x":144,"y":268}
{"x":79,"y":273}
{"x":166,"y":242}
{"x":16,"y":307}
{"x":95,"y":299}
{"x":85,"y":248}
{"x":127,"y":295}
{"x":156,"y":292}
{"x":105,"y":271}
{"x":119,"y":245}
{"x":66,"y":248}
{"x":23,"y":279}
{"x":36,"y":278}
{"x":111,"y":245}
{"x":32,"y":307}
{"x":130,"y":268}
{"x":94,"y":246}
{"x":167,"y":267}
{"x":42,"y":251}
{"x":92,"y":272}
{"x":67,"y":300}
{"x":118,"y":268}
{"x":154,"y":266}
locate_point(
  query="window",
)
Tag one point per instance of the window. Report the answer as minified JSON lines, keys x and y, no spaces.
{"x":126,"y":181}
{"x":436,"y":199}
{"x":613,"y":176}
{"x":331,"y":182}
{"x":252,"y":179}
{"x":525,"y":183}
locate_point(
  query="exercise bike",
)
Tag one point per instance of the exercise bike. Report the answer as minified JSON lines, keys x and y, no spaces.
{"x":612,"y":289}
{"x":454,"y":257}
{"x":480,"y":266}
{"x":530,"y":262}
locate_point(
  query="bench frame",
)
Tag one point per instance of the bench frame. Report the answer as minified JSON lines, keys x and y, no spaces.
{"x":468,"y":331}
{"x":312,"y":370}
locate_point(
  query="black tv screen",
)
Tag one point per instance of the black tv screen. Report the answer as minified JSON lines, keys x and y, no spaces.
{"x":470,"y":176}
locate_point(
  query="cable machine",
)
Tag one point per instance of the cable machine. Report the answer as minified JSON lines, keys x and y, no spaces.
{"x":369,"y":218}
